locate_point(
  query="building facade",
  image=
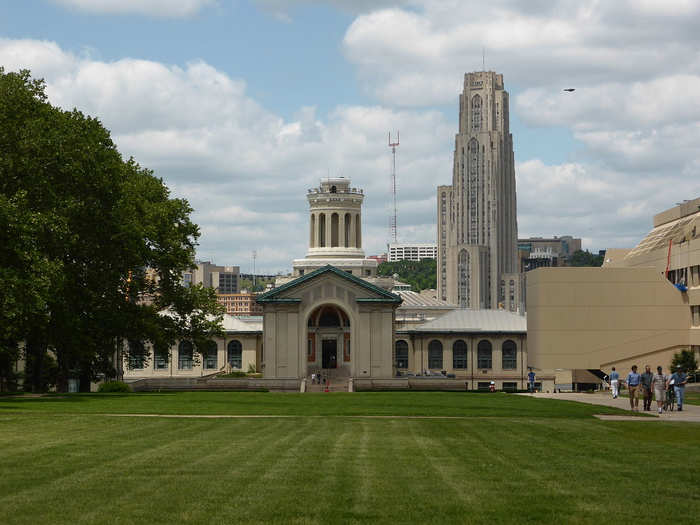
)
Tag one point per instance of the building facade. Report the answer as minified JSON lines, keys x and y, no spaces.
{"x":240,"y":304}
{"x":477,"y":224}
{"x":224,"y":279}
{"x":411,"y":251}
{"x":641,"y":307}
{"x":539,"y":252}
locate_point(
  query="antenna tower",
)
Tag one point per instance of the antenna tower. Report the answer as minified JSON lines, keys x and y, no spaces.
{"x":255,"y":256}
{"x":392,"y":221}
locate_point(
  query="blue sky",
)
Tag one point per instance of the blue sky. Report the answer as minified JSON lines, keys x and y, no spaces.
{"x":242,"y":105}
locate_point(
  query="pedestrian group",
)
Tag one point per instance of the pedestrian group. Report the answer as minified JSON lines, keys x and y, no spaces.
{"x":648,"y":383}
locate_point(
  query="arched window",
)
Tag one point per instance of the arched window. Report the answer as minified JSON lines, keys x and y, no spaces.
{"x":358,"y":232}
{"x":312,"y":241}
{"x":322,"y":230}
{"x":334,"y":230}
{"x":209,"y":353}
{"x":509,"y":352}
{"x":435,"y":354}
{"x":459,"y":354}
{"x":483,"y":354}
{"x":401,"y":354}
{"x":185,"y":355}
{"x":234,"y":355}
{"x":347,"y":230}
{"x":476,"y":113}
{"x":329,"y":317}
{"x":463,"y":279}
{"x":473,"y":191}
{"x":137,"y":355}
{"x":334,"y":189}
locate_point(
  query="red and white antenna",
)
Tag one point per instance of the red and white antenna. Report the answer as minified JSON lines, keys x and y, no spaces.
{"x":392,"y":221}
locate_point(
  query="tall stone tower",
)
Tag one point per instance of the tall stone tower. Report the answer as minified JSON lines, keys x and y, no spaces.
{"x":335,"y":230}
{"x":477,"y":225}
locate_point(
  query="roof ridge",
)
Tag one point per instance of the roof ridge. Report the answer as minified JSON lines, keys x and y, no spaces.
{"x":269,"y":296}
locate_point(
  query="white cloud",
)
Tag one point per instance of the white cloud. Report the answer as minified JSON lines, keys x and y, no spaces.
{"x":157,"y":8}
{"x":417,"y":56}
{"x":244,"y":169}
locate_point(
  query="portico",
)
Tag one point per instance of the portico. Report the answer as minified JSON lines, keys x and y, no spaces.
{"x":328,"y":319}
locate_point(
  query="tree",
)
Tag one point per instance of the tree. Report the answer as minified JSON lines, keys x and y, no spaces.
{"x":92,"y":247}
{"x":585,"y":258}
{"x":686,"y":360}
{"x":420,"y":275}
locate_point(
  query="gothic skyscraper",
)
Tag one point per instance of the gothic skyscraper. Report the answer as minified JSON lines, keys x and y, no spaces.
{"x":477,"y":224}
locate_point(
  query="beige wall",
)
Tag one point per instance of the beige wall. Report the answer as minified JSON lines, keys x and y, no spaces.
{"x":250,"y":343}
{"x":594,"y":317}
{"x":418,"y":344}
{"x":286,"y":330}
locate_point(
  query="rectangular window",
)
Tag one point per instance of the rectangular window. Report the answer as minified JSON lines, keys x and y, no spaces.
{"x":483,"y":385}
{"x":510,"y":387}
{"x":160,"y":360}
{"x":210,"y":360}
{"x":184,"y":361}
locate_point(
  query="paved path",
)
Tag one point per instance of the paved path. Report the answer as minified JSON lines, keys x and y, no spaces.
{"x":691,"y":413}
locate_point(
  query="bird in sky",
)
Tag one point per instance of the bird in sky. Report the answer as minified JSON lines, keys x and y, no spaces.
{"x":570,"y":89}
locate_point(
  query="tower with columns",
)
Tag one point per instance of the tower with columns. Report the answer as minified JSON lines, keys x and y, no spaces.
{"x":335,"y":230}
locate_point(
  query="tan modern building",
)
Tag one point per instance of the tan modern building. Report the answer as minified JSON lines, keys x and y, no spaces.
{"x":640,"y":308}
{"x":477,"y":227}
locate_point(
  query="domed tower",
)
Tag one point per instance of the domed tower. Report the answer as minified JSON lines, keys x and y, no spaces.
{"x":335,"y":230}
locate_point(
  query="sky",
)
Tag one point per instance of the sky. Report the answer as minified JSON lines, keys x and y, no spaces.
{"x":240,"y":106}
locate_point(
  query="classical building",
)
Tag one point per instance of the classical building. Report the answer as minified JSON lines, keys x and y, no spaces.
{"x":477,"y":227}
{"x":337,"y":318}
{"x":411,"y":251}
{"x":640,"y":308}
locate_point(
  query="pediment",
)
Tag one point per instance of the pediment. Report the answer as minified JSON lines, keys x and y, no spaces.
{"x":324,"y":280}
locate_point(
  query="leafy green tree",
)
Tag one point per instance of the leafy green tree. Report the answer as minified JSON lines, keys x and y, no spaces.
{"x":421,"y":275}
{"x":585,"y":258}
{"x":686,"y":360}
{"x":94,"y":245}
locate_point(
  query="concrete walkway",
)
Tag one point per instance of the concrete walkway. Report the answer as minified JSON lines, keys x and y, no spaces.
{"x":691,"y":413}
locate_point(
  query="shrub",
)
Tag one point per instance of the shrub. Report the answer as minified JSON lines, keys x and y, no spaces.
{"x":114,"y":386}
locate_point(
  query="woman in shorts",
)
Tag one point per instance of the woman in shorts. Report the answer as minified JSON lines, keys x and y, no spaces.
{"x":658,"y":383}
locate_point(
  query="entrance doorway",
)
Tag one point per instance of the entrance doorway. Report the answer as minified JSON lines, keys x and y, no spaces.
{"x":329,"y":353}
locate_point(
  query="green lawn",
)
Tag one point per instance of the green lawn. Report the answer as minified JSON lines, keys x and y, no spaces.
{"x":527,"y":461}
{"x":692,"y":398}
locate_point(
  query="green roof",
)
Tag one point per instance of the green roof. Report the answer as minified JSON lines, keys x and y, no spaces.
{"x":384,"y":296}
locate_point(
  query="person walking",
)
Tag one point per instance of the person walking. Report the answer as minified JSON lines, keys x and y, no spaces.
{"x":633,"y":381}
{"x":658,"y":383}
{"x":531,"y":381}
{"x":678,"y":379}
{"x":647,"y":378}
{"x":614,"y":383}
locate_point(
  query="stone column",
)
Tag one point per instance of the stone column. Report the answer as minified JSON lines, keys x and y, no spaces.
{"x":329,"y":231}
{"x":341,"y":228}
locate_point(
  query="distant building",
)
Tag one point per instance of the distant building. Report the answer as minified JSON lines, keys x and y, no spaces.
{"x":224,"y":279}
{"x":411,"y":251}
{"x":240,"y":304}
{"x":477,"y":229}
{"x":543,"y":252}
{"x":379,"y":258}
